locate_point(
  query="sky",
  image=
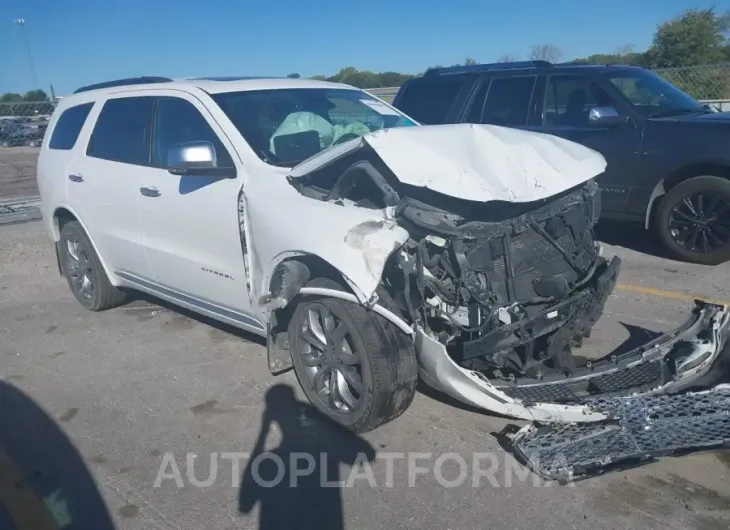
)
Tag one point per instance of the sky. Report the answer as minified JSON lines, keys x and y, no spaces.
{"x":79,"y":42}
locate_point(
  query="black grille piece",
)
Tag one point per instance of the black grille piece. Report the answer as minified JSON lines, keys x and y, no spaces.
{"x":644,"y":428}
{"x":634,"y":379}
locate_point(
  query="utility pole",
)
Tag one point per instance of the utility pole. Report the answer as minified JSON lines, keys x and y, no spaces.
{"x":21,"y":22}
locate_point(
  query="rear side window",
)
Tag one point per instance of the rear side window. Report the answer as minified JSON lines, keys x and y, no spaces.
{"x":68,"y":127}
{"x":428,"y":100}
{"x":122,"y":132}
{"x":504,"y":101}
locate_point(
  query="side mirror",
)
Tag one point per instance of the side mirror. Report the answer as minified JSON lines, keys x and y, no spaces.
{"x":196,"y":159}
{"x":605,"y":117}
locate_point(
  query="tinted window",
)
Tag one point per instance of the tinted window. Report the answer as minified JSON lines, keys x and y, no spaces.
{"x":178,"y":121}
{"x":504,"y":101}
{"x":569,"y":99}
{"x":652,"y":95}
{"x":428,"y":100}
{"x":69,"y":126}
{"x":122,"y":132}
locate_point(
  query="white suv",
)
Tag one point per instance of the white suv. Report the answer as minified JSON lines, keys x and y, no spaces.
{"x":365,"y":247}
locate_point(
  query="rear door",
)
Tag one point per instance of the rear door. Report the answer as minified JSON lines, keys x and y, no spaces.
{"x":564,"y":111}
{"x":434,"y":99}
{"x":103,"y":181}
{"x":505,"y":101}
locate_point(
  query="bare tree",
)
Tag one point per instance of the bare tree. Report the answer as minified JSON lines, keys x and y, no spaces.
{"x":545,"y":52}
{"x":624,"y":49}
{"x":469,"y":61}
{"x":508,"y":58}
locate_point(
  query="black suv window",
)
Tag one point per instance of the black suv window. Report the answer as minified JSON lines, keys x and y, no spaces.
{"x":68,"y":126}
{"x":122,"y":132}
{"x":429,"y":99}
{"x":504,"y":101}
{"x":569,"y":99}
{"x":177,"y":121}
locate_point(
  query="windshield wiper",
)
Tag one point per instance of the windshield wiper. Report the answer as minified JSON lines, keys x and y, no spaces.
{"x":676,"y":112}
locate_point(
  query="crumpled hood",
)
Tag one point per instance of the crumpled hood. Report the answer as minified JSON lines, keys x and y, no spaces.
{"x":476,"y":162}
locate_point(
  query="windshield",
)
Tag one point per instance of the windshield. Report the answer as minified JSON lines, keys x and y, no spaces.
{"x":287,"y":126}
{"x":653,"y":96}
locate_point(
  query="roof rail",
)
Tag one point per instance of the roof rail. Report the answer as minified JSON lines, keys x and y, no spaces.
{"x":488,"y":66}
{"x":144,"y":80}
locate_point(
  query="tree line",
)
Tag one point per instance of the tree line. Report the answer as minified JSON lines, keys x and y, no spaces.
{"x":694,"y":38}
{"x":32,"y":96}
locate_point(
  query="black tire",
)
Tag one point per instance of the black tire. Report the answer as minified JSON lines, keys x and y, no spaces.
{"x":716,"y":187}
{"x":387,"y":368}
{"x":85,"y":265}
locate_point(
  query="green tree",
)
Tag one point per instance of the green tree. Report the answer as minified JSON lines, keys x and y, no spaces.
{"x":36,"y":95}
{"x":293,"y":76}
{"x":696,"y":37}
{"x":10,"y":97}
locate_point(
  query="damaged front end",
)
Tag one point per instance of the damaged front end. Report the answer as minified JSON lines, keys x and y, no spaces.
{"x":507,"y":288}
{"x":502,"y":283}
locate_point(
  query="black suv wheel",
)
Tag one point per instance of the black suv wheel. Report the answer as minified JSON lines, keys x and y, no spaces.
{"x":693,"y":220}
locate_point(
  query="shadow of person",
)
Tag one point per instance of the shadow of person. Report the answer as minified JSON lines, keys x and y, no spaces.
{"x":297,"y":485}
{"x":44,"y":482}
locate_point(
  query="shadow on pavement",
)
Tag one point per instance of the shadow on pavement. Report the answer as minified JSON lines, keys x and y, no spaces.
{"x":631,"y":236}
{"x":137,"y":297}
{"x":297,"y":485}
{"x":44,"y":482}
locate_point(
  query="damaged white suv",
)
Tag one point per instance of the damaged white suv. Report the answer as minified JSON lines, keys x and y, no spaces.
{"x":368,"y":249}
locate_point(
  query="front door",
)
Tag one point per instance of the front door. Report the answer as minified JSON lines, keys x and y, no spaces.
{"x":190,"y":222}
{"x":567,"y":103}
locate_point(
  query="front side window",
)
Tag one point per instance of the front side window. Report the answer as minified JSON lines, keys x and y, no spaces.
{"x":122,"y":131}
{"x":286,"y":126}
{"x":653,"y":96}
{"x":570,"y":98}
{"x":177,"y":121}
{"x":68,"y":127}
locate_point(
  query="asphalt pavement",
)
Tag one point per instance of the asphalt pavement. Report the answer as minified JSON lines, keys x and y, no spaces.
{"x":161,"y":405}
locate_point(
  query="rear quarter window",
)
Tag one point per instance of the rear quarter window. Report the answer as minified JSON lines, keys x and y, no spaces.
{"x":428,"y":100}
{"x":68,"y":127}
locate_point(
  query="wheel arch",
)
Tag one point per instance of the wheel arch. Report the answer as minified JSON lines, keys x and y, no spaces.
{"x":63,"y":215}
{"x":715,"y":169}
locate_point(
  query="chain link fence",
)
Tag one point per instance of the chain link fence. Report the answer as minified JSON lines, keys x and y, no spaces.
{"x":708,"y":83}
{"x":23,"y":123}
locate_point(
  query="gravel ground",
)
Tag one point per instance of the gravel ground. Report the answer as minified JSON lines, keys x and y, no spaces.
{"x":17,"y":172}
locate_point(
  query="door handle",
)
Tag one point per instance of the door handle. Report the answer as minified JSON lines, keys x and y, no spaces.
{"x":75,"y":177}
{"x":149,"y":191}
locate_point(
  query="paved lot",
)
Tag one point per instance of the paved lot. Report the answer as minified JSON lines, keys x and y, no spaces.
{"x":17,"y":172}
{"x":129,"y":386}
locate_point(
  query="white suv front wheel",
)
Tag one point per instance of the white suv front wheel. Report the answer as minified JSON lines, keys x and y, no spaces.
{"x":354,"y":366}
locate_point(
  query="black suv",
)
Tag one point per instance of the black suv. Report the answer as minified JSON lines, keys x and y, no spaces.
{"x":667,"y":153}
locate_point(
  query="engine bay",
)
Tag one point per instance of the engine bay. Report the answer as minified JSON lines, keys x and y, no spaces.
{"x":508,"y":288}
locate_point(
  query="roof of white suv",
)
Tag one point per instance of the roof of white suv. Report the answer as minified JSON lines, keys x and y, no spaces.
{"x":210,"y":85}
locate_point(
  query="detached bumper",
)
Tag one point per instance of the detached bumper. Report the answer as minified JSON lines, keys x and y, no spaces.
{"x":694,"y":355}
{"x":641,"y":429}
